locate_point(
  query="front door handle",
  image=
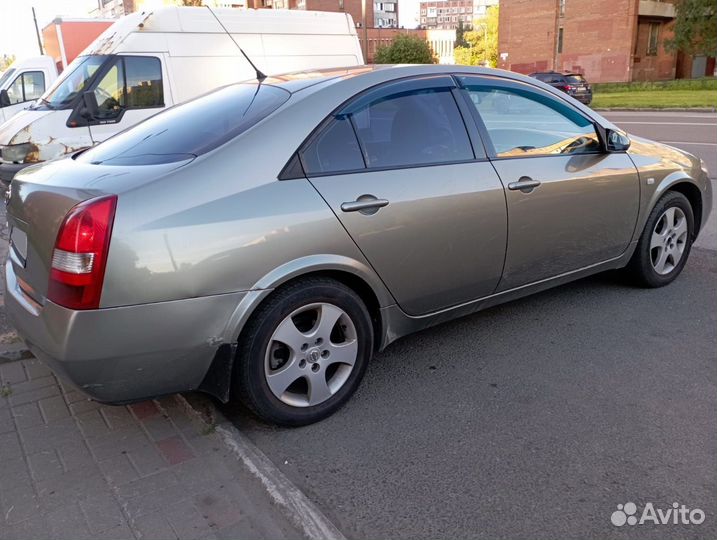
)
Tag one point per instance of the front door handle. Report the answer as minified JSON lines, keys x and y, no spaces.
{"x":524,"y":184}
{"x":366,"y":204}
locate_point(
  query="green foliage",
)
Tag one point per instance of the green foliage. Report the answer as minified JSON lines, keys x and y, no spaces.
{"x":705,"y":83}
{"x":6,"y":60}
{"x":695,"y":27}
{"x":657,"y":95}
{"x":460,"y":36}
{"x":482,"y":42}
{"x":406,"y":49}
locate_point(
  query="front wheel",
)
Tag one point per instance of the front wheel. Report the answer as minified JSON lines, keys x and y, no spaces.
{"x":304,"y":352}
{"x":665,"y":243}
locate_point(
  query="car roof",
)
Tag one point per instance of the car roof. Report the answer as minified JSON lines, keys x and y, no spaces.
{"x":299,"y":80}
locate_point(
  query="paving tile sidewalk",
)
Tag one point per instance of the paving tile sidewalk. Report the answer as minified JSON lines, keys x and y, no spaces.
{"x":71,"y":468}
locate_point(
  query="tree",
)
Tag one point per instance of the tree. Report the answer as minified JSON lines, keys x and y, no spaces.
{"x":6,"y":60}
{"x":695,"y":27}
{"x":406,"y":49}
{"x":482,"y":42}
{"x":460,"y":36}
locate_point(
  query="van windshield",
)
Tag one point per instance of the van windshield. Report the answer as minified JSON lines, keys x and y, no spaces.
{"x":73,"y":81}
{"x":191,"y":129}
{"x":6,"y":76}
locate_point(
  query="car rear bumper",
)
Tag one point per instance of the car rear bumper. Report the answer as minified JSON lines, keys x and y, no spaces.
{"x":127,"y":353}
{"x":585,"y":99}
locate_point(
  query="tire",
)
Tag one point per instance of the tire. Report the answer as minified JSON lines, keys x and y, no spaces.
{"x":288,"y":338}
{"x":644,"y":266}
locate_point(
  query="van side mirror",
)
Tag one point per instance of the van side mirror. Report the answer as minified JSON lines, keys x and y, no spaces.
{"x":4,"y":98}
{"x":89,"y":105}
{"x":617,"y":141}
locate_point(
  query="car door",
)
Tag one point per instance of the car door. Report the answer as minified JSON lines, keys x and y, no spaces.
{"x":415,"y":193}
{"x":570,"y":203}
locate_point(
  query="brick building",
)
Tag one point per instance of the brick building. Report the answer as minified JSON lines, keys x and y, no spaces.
{"x":447,"y":14}
{"x":607,"y":40}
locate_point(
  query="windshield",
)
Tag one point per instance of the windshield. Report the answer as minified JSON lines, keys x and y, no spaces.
{"x":6,"y":76}
{"x":575,"y":79}
{"x":73,"y":81}
{"x":191,"y":129}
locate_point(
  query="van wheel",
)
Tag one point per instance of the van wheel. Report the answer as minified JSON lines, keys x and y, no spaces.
{"x":304,"y":352}
{"x":665,"y":244}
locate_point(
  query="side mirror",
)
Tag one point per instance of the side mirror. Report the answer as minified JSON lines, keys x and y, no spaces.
{"x":617,"y":141}
{"x":90,"y":109}
{"x":4,"y":98}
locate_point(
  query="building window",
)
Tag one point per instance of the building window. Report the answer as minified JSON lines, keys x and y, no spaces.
{"x":560,"y":39}
{"x":562,"y":8}
{"x":653,"y":39}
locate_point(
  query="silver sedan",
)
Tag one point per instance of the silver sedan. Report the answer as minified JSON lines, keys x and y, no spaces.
{"x":264,"y":240}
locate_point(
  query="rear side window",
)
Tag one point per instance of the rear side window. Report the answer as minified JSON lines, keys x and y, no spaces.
{"x":411,"y":128}
{"x":190,"y":129}
{"x":335,"y":149}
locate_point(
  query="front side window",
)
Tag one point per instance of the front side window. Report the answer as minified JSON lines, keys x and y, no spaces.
{"x":522,"y":122}
{"x":109,"y":92}
{"x":27,"y":86}
{"x":412,"y":128}
{"x":132,"y":82}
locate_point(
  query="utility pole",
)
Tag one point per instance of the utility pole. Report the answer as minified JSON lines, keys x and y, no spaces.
{"x":365,"y":31}
{"x":37,"y":31}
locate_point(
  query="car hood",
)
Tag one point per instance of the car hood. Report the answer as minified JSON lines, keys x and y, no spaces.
{"x":17,"y":129}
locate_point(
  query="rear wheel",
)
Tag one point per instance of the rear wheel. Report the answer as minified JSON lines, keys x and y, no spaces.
{"x":665,"y":244}
{"x":304,"y":352}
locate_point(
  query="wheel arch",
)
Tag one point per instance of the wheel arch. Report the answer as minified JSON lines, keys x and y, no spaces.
{"x":693,"y":195}
{"x":354,"y":274}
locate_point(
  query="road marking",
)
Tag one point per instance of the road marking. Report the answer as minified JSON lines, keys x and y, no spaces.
{"x":686,"y":142}
{"x":296,"y":506}
{"x":669,"y":123}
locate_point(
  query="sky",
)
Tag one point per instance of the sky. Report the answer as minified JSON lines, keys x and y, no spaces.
{"x":17,"y":31}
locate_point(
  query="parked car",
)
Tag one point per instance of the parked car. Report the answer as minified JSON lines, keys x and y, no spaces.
{"x":28,"y":78}
{"x":573,"y":84}
{"x":264,"y":240}
{"x":150,"y":60}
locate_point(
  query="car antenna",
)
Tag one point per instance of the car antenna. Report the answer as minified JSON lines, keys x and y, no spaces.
{"x":259,"y":75}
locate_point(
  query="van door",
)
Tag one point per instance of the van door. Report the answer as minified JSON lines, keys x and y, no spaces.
{"x":26,"y":87}
{"x":130,"y":90}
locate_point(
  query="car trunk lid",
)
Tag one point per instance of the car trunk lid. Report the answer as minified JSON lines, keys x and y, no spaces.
{"x":41,"y":197}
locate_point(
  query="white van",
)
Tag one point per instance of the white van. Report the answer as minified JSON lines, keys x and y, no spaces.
{"x":23,"y":82}
{"x":150,"y":60}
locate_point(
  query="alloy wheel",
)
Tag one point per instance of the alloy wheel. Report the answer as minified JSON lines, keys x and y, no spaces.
{"x":311,"y":354}
{"x":668,"y":241}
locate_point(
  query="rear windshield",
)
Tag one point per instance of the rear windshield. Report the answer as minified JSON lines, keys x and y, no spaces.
{"x":575,"y":79}
{"x":190,"y":129}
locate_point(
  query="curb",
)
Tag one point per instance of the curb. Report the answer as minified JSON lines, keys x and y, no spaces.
{"x":296,"y":506}
{"x":14,"y":352}
{"x":666,"y":109}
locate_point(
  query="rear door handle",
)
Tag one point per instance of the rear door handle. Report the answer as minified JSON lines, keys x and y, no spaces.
{"x":366,"y":204}
{"x":524,"y":184}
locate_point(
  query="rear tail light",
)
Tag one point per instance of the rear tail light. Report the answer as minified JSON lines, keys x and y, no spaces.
{"x":80,"y":254}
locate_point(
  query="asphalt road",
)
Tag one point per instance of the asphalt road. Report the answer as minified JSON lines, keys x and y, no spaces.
{"x":534,"y":419}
